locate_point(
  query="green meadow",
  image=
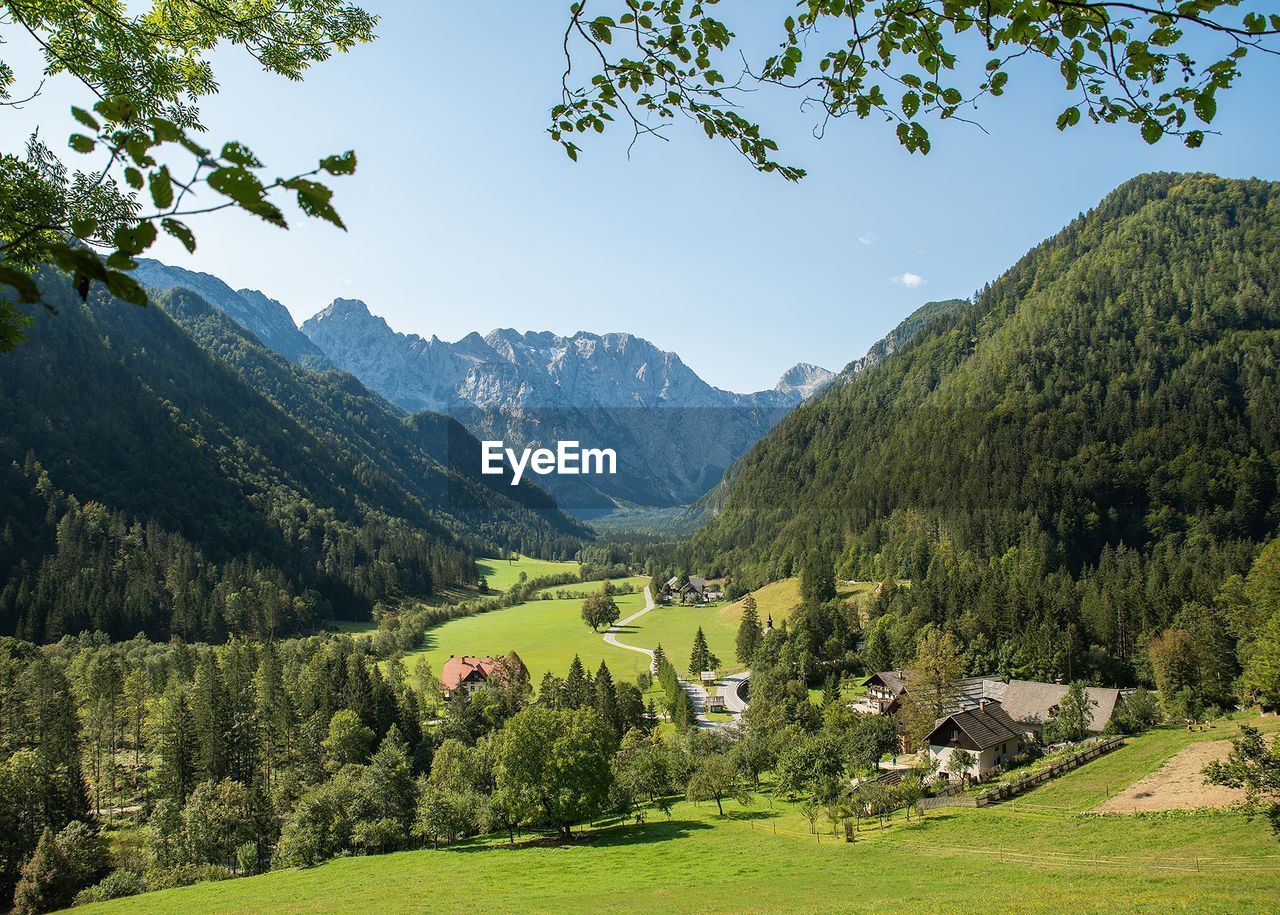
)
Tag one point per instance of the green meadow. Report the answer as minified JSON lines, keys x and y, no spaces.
{"x":1024,"y":855}
{"x":548,"y":633}
{"x":501,"y":574}
{"x":545,"y":633}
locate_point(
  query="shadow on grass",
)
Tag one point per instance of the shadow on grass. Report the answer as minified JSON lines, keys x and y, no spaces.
{"x":754,"y":814}
{"x":602,"y":837}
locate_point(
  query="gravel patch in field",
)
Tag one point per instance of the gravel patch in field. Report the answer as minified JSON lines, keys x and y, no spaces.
{"x":1178,"y":784}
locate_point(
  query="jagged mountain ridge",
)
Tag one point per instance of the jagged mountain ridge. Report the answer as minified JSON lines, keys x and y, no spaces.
{"x":533,"y":388}
{"x":674,"y":434}
{"x":533,"y":369}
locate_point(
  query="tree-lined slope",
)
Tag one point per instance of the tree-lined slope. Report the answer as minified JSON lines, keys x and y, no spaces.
{"x":192,"y":482}
{"x":1108,"y":408}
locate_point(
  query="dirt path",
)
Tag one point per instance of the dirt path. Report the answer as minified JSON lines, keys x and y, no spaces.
{"x":611,"y":636}
{"x":1178,"y":784}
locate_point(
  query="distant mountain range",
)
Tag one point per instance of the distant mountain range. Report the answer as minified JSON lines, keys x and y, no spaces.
{"x":675,"y":435}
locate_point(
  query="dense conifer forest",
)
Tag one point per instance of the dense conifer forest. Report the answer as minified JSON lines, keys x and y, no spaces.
{"x":1079,"y":458}
{"x":164,"y":473}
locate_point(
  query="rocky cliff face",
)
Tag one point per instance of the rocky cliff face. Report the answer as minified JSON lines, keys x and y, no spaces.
{"x":674,"y":433}
{"x":264,"y":317}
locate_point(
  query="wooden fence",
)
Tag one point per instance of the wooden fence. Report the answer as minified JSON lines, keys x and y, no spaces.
{"x":1009,"y":789}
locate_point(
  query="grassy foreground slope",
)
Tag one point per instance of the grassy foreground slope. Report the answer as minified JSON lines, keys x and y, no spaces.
{"x":1019,"y":856}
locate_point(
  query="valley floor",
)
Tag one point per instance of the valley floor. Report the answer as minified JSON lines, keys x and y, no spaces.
{"x":1043,"y":851}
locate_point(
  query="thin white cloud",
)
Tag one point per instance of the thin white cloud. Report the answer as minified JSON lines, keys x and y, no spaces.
{"x":908,"y":279}
{"x":869,"y":239}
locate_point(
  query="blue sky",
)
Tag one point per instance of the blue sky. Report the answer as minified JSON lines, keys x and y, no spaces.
{"x":465,"y":216}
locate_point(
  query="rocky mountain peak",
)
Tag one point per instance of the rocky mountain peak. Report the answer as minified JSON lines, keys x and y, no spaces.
{"x":804,"y":379}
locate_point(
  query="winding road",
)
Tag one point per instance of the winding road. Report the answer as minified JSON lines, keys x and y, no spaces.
{"x":729,"y":686}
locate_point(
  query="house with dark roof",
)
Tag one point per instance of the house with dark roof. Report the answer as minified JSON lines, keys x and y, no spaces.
{"x":694,"y":590}
{"x":885,"y":689}
{"x":1032,"y":704}
{"x":466,"y":674}
{"x":985,"y":731}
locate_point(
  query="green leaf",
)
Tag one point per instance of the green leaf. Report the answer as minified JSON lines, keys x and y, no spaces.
{"x":125,"y":287}
{"x":237,"y":183}
{"x":1069,"y":118}
{"x":1206,"y":106}
{"x":136,"y":238}
{"x":118,"y":260}
{"x":343,"y":164}
{"x":161,"y":189}
{"x":117,"y":110}
{"x":133,"y":177}
{"x":910,"y":104}
{"x":85,"y":118}
{"x":180,"y":231}
{"x":165,"y":131}
{"x":1152,"y":131}
{"x":239,"y":154}
{"x":83,"y":226}
{"x":80,"y":143}
{"x":313,"y":199}
{"x":21,"y":282}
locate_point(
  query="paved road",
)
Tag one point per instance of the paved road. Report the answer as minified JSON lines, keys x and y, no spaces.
{"x":729,"y":689}
{"x":729,"y":686}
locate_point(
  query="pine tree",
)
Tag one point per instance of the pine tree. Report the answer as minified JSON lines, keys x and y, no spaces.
{"x":210,"y":713}
{"x":817,"y":578}
{"x":575,"y":694}
{"x":176,"y":745}
{"x":700,"y":658}
{"x":606,"y":699}
{"x":659,"y":658}
{"x":749,"y":633}
{"x":831,"y":690}
{"x":272,"y":713}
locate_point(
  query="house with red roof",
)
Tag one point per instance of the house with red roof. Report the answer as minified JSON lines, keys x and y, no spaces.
{"x":466,"y":673}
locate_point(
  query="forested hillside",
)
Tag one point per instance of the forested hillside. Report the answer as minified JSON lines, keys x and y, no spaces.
{"x":1064,"y":466}
{"x":199,"y":485}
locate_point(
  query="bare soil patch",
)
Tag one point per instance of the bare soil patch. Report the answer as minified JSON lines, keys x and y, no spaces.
{"x":1178,"y":784}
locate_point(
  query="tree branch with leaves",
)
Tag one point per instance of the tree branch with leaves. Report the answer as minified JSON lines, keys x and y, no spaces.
{"x":903,"y":61}
{"x":148,"y":71}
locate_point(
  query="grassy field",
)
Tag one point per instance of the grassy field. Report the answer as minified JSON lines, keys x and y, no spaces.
{"x":1020,"y":856}
{"x":501,"y":574}
{"x":545,"y":633}
{"x":548,"y":633}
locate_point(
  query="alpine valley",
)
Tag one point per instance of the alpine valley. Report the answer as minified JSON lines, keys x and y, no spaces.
{"x":990,"y":618}
{"x":675,"y":435}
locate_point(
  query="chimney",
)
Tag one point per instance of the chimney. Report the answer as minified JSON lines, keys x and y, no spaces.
{"x":982,"y":705}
